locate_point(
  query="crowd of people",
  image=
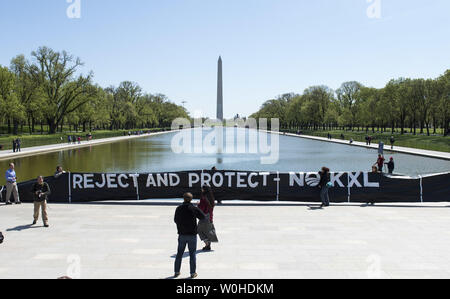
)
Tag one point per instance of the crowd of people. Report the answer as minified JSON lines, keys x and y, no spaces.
{"x":368,"y":139}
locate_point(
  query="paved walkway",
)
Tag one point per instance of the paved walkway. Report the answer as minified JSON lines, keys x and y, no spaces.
{"x":398,"y":149}
{"x":29,"y":151}
{"x":261,"y":241}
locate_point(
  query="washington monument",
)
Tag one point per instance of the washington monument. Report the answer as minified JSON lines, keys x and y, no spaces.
{"x":219,"y":90}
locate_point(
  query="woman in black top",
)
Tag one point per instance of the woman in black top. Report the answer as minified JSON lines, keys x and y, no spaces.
{"x":323,"y":185}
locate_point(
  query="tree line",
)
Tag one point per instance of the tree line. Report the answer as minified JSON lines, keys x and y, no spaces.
{"x":49,"y":90}
{"x":413,"y":105}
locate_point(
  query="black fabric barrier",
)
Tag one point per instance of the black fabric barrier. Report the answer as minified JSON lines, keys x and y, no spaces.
{"x":357,"y":187}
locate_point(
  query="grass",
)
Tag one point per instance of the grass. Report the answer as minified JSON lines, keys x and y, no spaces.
{"x":434,"y":143}
{"x":46,"y":139}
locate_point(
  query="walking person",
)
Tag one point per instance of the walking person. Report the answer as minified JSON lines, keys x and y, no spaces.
{"x":392,"y":140}
{"x":14,"y":144}
{"x":59,"y":172}
{"x":324,"y":186}
{"x":186,"y":217}
{"x":206,"y":205}
{"x":41,"y":191}
{"x":11,"y":185}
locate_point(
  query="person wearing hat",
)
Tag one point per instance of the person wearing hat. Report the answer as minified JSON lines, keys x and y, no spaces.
{"x":391,"y":165}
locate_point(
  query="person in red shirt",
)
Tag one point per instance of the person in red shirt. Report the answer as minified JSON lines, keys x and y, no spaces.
{"x":380,"y":163}
{"x":206,"y":205}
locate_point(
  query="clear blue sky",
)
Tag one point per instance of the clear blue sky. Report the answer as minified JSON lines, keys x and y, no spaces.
{"x":269,"y":47}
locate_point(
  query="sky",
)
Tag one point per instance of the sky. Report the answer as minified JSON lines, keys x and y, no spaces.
{"x":269,"y":47}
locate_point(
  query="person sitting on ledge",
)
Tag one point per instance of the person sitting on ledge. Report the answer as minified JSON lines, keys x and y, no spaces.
{"x":59,"y":172}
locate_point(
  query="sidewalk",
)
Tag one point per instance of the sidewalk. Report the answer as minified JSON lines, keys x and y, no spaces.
{"x":387,"y":147}
{"x":29,"y":151}
{"x":139,"y":240}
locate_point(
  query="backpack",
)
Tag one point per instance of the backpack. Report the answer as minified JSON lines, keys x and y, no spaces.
{"x":1,"y":238}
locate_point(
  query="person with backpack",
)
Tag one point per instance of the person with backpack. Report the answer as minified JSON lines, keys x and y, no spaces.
{"x":324,"y":186}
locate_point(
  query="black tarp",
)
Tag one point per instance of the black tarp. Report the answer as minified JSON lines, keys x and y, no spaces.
{"x":357,"y":187}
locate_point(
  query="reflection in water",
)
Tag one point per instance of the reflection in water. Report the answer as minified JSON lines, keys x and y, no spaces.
{"x":154,"y":154}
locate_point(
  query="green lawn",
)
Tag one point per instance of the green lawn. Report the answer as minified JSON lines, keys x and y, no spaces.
{"x":435,"y":143}
{"x":46,"y":139}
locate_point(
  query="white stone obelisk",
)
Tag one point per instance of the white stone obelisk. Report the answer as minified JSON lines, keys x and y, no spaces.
{"x":219,"y":130}
{"x":219,"y":91}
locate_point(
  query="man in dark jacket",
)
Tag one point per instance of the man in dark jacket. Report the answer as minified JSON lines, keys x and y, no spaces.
{"x":41,"y":191}
{"x":391,"y":165}
{"x":186,"y":219}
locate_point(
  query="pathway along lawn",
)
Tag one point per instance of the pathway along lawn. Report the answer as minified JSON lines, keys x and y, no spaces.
{"x":46,"y":139}
{"x":433,"y":143}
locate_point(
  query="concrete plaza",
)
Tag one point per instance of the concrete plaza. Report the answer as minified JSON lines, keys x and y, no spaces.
{"x":258,"y":240}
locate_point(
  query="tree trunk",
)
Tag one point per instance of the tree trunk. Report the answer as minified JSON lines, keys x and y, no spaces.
{"x":33,"y":121}
{"x":15,"y":127}
{"x":29,"y":125}
{"x":52,"y":126}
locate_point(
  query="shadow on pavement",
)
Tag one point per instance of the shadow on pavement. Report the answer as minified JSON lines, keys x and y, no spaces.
{"x":22,"y":227}
{"x":186,"y":254}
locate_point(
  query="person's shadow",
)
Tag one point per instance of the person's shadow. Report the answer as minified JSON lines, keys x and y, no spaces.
{"x":315,"y":208}
{"x":21,"y":228}
{"x":173,"y":278}
{"x":186,"y":254}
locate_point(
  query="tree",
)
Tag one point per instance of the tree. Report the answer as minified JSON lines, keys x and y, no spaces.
{"x":10,"y":106}
{"x":64,"y":92}
{"x":320,"y":97}
{"x":349,"y":95}
{"x":26,"y":89}
{"x":444,"y":103}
